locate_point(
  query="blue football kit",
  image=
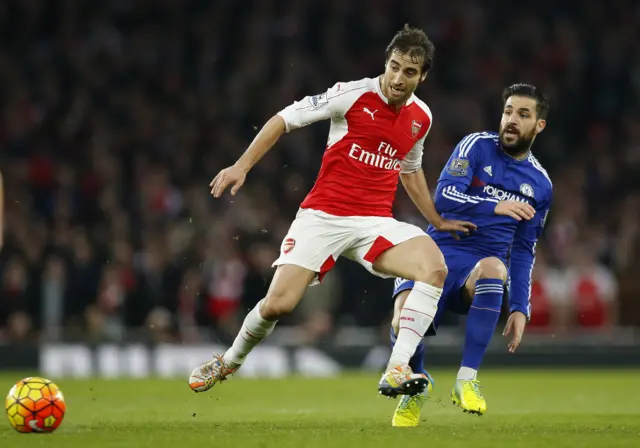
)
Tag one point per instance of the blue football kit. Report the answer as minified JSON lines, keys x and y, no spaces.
{"x":477,"y":176}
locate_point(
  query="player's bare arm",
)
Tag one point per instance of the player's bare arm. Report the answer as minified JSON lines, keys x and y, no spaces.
{"x":235,"y":175}
{"x":416,"y":186}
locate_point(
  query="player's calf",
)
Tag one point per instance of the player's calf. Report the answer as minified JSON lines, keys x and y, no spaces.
{"x":418,"y":259}
{"x":286,"y":290}
{"x":416,"y":362}
{"x":486,"y":287}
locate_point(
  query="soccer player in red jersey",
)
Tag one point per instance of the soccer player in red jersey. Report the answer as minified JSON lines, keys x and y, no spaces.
{"x":377,"y":134}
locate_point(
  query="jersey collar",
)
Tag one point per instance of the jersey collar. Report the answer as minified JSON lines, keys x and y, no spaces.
{"x":377,"y":84}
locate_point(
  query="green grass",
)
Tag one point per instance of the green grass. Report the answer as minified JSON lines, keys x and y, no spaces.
{"x":527,"y":408}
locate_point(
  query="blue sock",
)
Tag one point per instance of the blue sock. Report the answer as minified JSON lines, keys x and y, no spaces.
{"x":417,"y":360}
{"x":482,"y":320}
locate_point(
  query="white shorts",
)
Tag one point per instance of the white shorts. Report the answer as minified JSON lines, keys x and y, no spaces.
{"x":316,"y":239}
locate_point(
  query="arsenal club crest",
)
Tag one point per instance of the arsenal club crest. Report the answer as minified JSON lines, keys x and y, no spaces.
{"x":288,"y":245}
{"x":415,"y":128}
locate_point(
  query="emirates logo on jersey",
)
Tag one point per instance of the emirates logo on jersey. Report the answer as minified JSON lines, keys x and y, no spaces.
{"x":415,"y":128}
{"x":288,"y":245}
{"x":384,"y":158}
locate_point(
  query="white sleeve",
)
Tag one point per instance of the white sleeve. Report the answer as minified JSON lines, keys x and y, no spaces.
{"x":335,"y":102}
{"x":412,"y":162}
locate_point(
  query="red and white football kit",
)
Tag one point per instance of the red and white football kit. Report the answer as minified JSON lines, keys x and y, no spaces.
{"x":349,"y":210}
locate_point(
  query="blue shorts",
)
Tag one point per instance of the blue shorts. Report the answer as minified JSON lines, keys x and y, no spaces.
{"x":460,"y":265}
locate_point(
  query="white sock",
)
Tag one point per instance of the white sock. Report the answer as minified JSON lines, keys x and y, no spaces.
{"x":254,"y":329}
{"x":415,"y":318}
{"x":467,"y":373}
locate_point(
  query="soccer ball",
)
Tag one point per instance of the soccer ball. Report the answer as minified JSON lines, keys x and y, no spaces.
{"x":35,"y":405}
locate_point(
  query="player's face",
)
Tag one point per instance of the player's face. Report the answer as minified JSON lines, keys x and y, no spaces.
{"x":401,"y":77}
{"x":519,"y":125}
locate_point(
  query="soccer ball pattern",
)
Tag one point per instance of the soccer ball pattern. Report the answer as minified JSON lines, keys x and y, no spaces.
{"x":35,"y":405}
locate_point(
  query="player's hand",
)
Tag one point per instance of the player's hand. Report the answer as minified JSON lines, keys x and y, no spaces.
{"x":516,"y":209}
{"x":515,"y":325}
{"x":453,"y":226}
{"x":233,"y":175}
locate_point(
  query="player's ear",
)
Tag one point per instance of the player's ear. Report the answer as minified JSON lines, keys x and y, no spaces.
{"x":540,"y":125}
{"x":423,"y":76}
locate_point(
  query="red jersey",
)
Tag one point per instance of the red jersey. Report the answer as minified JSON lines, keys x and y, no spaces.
{"x":370,"y":143}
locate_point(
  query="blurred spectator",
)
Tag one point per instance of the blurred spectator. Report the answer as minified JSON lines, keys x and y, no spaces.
{"x":548,"y":309}
{"x":592,"y":290}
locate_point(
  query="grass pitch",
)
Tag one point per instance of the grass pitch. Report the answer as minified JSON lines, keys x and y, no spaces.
{"x":528,"y":408}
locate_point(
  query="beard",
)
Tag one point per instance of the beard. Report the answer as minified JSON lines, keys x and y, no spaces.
{"x":518,"y":146}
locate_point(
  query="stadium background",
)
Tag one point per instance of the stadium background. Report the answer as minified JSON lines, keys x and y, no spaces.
{"x":117,"y":114}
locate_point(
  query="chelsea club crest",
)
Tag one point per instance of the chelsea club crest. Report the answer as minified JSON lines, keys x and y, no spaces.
{"x":527,"y":190}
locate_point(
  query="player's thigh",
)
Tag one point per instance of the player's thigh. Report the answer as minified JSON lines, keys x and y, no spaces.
{"x":314,"y":241}
{"x":416,"y":258}
{"x":488,"y":267}
{"x":390,"y":248}
{"x":286,"y":290}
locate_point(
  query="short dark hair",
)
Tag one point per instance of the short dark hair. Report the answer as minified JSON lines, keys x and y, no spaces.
{"x":530,"y":91}
{"x":415,"y":43}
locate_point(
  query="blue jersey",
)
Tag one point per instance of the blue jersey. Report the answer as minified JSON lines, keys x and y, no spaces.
{"x":478,"y":175}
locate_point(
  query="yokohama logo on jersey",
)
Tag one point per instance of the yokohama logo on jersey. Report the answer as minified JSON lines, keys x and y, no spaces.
{"x":381,"y":159}
{"x":502,"y":195}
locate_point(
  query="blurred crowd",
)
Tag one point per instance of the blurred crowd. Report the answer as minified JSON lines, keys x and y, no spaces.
{"x":117,"y":114}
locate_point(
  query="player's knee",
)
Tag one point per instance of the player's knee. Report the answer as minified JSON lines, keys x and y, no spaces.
{"x":277,"y":304}
{"x":492,"y":267}
{"x":432,"y":271}
{"x":286,"y":290}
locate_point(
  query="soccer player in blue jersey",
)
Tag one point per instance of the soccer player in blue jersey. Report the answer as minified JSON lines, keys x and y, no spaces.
{"x":494,"y":180}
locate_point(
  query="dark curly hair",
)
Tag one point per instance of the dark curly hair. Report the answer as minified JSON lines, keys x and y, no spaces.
{"x":415,"y":43}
